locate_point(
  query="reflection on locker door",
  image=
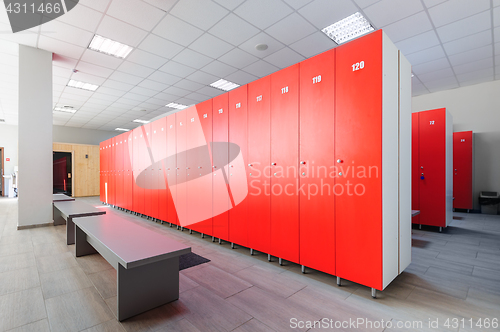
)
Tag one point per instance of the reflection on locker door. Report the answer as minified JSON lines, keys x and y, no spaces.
{"x":179,"y":191}
{"x":358,"y":142}
{"x":415,"y":167}
{"x":171,"y":165}
{"x":238,"y":222}
{"x":259,"y":160}
{"x":102,"y":196}
{"x":432,"y":158}
{"x":159,"y":156}
{"x":462,"y":170}
{"x":137,"y":168}
{"x":128,"y":182}
{"x":284,"y":163}
{"x":147,"y":172}
{"x":120,"y":195}
{"x":112,"y":174}
{"x":317,"y":86}
{"x":155,"y":144}
{"x":221,"y":190}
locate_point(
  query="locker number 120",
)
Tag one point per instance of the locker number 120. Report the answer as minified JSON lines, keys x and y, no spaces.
{"x":358,"y":66}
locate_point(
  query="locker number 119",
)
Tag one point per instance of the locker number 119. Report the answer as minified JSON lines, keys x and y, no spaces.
{"x":316,"y":79}
{"x":358,"y":66}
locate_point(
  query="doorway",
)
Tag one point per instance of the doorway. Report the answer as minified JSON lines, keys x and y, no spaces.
{"x":62,"y":173}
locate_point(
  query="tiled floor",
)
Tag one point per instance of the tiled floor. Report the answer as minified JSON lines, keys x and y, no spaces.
{"x":43,"y":287}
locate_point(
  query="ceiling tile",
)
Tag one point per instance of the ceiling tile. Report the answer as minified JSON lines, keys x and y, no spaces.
{"x":291,"y":29}
{"x":418,"y":43}
{"x":451,"y":11}
{"x":436,"y":75}
{"x":260,"y":68}
{"x":197,"y":97}
{"x":100,"y":59}
{"x":261,"y":38}
{"x":497,"y":48}
{"x":64,"y":61}
{"x":296,"y":4}
{"x":431,"y":66}
{"x":473,"y":55}
{"x":192,"y":59}
{"x":203,"y":14}
{"x":88,"y":68}
{"x":120,"y":31}
{"x":238,"y":58}
{"x":110,"y":91}
{"x":386,"y":12}
{"x":442,"y":84}
{"x":408,"y":27}
{"x":164,"y":78}
{"x":468,"y":43}
{"x":60,"y":47}
{"x":323,"y":13}
{"x":496,"y":34}
{"x":82,"y":17}
{"x":233,"y":29}
{"x":176,"y":91}
{"x":176,"y":30}
{"x":429,"y":54}
{"x":202,"y":77}
{"x":125,"y":78}
{"x":189,"y":85}
{"x":496,"y":3}
{"x":473,"y":66}
{"x":143,"y":91}
{"x":219,"y":69}
{"x":25,"y":38}
{"x":284,"y":58}
{"x":135,"y":96}
{"x":135,"y":69}
{"x":99,"y":5}
{"x":177,"y":69}
{"x":87,"y":78}
{"x":67,"y":33}
{"x":146,"y":59}
{"x":209,"y":91}
{"x":240,"y":77}
{"x":465,"y":27}
{"x":159,"y":46}
{"x":478,"y":80}
{"x":432,"y":3}
{"x":211,"y":46}
{"x":314,"y":44}
{"x":486,"y":74}
{"x":135,"y":12}
{"x":164,"y":5}
{"x":118,"y":85}
{"x":150,"y":84}
{"x":263,"y":13}
{"x":229,"y":4}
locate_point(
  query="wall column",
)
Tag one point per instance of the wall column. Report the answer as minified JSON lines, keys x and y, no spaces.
{"x":35,"y":137}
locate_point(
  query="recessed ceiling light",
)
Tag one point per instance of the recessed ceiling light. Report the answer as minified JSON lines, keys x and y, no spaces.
{"x":261,"y":47}
{"x":140,"y":121}
{"x":82,"y":85}
{"x":109,"y":47}
{"x":122,"y":129}
{"x":412,"y":75}
{"x":176,"y":106}
{"x":66,"y":109}
{"x":224,"y":85}
{"x":349,"y":28}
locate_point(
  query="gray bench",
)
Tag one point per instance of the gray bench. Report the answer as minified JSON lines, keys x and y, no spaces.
{"x":64,"y":212}
{"x":61,"y":198}
{"x":147,"y":263}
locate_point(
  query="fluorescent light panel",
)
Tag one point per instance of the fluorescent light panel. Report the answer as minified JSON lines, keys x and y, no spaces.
{"x":82,"y":85}
{"x":349,"y":28}
{"x":122,"y":129}
{"x":224,"y":85}
{"x":140,"y":121}
{"x":177,"y":106}
{"x":65,"y":109}
{"x":110,"y":47}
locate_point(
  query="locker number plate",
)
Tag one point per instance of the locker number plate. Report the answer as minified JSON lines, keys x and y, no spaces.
{"x":316,"y":79}
{"x":358,"y":66}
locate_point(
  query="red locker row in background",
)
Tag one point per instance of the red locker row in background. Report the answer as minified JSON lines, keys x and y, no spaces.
{"x":289,"y":165}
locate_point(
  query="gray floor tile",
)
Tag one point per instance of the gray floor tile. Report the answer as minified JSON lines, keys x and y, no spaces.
{"x":18,"y":280}
{"x":15,"y":262}
{"x":46,"y":264}
{"x":40,"y":326}
{"x":105,"y":282}
{"x":21,"y":308}
{"x":63,"y":281}
{"x":110,"y":326}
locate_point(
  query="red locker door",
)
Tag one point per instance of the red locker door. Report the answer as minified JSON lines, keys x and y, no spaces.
{"x":317,"y":87}
{"x":432,"y":158}
{"x":102,"y":196}
{"x":180,"y":197}
{"x":462,"y":170}
{"x":171,"y":165}
{"x":119,"y":171}
{"x":200,"y":162}
{"x":138,"y":167}
{"x":221,"y":199}
{"x":259,"y":160}
{"x":148,"y":170}
{"x":154,"y":133}
{"x":112,"y":174}
{"x":415,"y":167}
{"x":285,"y":161}
{"x":127,"y":168}
{"x":238,"y":222}
{"x":105,"y":169}
{"x":358,"y":147}
{"x":159,"y":152}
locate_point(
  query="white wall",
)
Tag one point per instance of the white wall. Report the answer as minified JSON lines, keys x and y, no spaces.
{"x":8,"y":140}
{"x":475,"y":108}
{"x":74,"y":135}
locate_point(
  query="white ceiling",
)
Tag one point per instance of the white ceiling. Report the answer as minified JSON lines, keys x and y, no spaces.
{"x":181,"y":46}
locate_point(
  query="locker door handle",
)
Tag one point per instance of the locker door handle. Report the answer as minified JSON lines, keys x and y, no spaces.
{"x":273,"y":164}
{"x":250,"y":165}
{"x":339,"y":161}
{"x":302,"y":162}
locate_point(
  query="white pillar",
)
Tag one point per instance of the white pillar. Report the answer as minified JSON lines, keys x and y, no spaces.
{"x":35,"y":137}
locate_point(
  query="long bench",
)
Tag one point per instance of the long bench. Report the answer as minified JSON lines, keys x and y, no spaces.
{"x":66,"y":211}
{"x":61,"y":198}
{"x":147,"y":263}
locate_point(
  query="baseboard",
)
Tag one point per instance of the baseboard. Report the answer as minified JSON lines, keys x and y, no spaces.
{"x":35,"y":226}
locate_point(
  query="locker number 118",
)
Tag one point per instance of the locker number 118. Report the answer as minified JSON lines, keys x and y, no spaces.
{"x":358,"y":66}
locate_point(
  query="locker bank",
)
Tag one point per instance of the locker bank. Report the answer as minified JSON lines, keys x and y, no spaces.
{"x":249,"y":165}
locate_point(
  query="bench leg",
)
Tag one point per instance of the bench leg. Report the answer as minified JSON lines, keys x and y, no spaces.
{"x":82,"y":247}
{"x":70,"y":231}
{"x":146,"y":287}
{"x":58,"y":218}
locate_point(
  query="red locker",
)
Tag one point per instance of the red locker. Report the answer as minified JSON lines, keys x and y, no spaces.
{"x":171,"y":165}
{"x":179,"y":191}
{"x":102,"y":196}
{"x":138,"y":168}
{"x":317,"y":81}
{"x":120,"y":195}
{"x":128,"y":180}
{"x":462,"y":169}
{"x":434,"y":175}
{"x":200,"y":209}
{"x":159,"y":151}
{"x":284,"y":163}
{"x":238,"y":222}
{"x":147,"y":170}
{"x":415,"y":168}
{"x":221,"y":190}
{"x":112,"y":173}
{"x":107,"y":149}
